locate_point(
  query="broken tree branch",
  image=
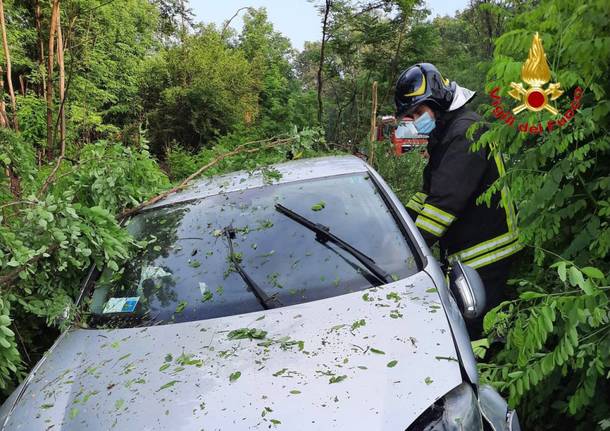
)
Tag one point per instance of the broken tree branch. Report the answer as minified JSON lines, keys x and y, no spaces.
{"x":241,"y":149}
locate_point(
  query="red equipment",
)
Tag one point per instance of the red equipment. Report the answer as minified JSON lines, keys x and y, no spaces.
{"x":386,"y":129}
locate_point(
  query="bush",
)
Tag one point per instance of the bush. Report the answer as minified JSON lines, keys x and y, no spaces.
{"x":403,"y":173}
{"x":47,"y":241}
{"x":558,"y":331}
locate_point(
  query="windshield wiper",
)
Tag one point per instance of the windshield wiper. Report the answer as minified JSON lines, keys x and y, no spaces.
{"x":265,"y":300}
{"x":324,"y":235}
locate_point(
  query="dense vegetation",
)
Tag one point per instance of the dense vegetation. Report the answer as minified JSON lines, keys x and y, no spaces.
{"x":103,"y":107}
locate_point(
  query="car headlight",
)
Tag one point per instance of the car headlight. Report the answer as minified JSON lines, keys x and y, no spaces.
{"x":456,"y":411}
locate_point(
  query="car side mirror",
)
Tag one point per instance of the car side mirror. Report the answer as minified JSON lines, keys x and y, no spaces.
{"x":468,"y":290}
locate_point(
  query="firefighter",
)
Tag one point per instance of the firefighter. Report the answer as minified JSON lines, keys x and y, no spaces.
{"x":479,"y":235}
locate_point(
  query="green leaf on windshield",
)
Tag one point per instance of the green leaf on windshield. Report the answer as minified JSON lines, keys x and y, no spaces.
{"x":358,"y":323}
{"x":73,"y":413}
{"x":394,"y":296}
{"x":336,"y":379}
{"x":392,"y":364}
{"x":168,"y":385}
{"x":379,"y":352}
{"x":181,"y":306}
{"x":194,"y":263}
{"x":206,"y":296}
{"x":242,"y":333}
{"x":428,"y":380}
{"x":234,"y":376}
{"x":319,"y":206}
{"x":118,"y":404}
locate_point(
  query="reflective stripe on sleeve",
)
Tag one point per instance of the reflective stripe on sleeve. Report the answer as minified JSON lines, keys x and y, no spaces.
{"x":430,"y":226}
{"x":486,"y":246}
{"x":494,"y":256}
{"x":414,"y":205}
{"x":420,"y":197}
{"x":438,"y":215}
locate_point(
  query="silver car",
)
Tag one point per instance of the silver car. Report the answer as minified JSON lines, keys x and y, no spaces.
{"x":297,"y":298}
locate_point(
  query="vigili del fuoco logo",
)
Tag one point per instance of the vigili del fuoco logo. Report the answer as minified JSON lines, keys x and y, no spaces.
{"x":534,"y":97}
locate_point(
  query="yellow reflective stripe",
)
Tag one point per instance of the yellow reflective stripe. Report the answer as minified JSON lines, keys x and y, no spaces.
{"x":430,"y":226}
{"x":494,"y":256}
{"x":414,"y":205}
{"x":484,"y":247}
{"x":422,"y":196}
{"x":438,"y":215}
{"x":419,"y":197}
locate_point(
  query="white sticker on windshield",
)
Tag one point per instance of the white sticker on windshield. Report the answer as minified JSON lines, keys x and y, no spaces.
{"x":203,"y":287}
{"x":121,"y":305}
{"x":153,"y":272}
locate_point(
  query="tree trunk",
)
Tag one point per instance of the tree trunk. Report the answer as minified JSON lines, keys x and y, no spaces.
{"x":62,"y":86}
{"x":39,"y":41}
{"x":22,"y":85}
{"x":4,"y":122}
{"x":14,"y":181}
{"x":373,"y":134}
{"x":7,"y":58}
{"x":50,"y":63}
{"x":392,"y":73}
{"x":321,"y":65}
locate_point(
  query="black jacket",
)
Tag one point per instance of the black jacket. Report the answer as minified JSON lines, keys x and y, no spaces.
{"x":454,"y":178}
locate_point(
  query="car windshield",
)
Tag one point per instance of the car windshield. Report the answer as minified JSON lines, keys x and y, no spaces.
{"x":186,"y":273}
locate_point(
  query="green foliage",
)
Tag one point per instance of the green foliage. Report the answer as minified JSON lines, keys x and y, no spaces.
{"x":9,"y":356}
{"x":557,"y":346}
{"x":403,"y":174}
{"x":50,"y":241}
{"x":304,"y":143}
{"x":200,"y":93}
{"x":196,"y":92}
{"x":557,"y":337}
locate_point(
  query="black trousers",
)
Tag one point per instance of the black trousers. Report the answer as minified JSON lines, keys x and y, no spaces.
{"x":494,"y":278}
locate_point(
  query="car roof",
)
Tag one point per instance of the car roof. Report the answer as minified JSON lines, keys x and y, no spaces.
{"x":295,"y":170}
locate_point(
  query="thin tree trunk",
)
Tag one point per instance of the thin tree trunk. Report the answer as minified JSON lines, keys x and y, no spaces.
{"x":62,"y":86}
{"x":50,"y":63}
{"x":14,"y":181}
{"x":22,"y":85}
{"x":373,"y":134}
{"x":394,"y":64}
{"x":38,"y":23}
{"x":4,"y":121}
{"x":321,"y":65}
{"x":7,"y":59}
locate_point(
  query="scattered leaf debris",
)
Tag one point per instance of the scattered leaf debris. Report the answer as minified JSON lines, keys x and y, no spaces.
{"x":234,"y":376}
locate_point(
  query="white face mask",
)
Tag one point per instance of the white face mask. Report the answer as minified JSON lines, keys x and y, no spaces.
{"x":406,"y":129}
{"x":425,"y":124}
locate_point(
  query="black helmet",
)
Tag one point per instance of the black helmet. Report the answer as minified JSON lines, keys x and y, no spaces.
{"x":421,"y":83}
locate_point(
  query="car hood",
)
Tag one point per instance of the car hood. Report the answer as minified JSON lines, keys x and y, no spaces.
{"x":374,"y":359}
